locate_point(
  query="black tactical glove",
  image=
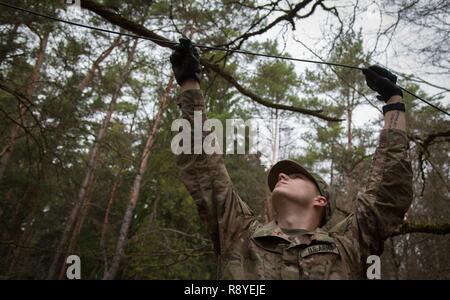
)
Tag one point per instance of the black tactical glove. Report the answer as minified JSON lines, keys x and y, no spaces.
{"x":185,"y":62}
{"x":383,"y":82}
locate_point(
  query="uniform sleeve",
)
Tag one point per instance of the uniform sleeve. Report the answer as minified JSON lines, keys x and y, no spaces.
{"x":380,"y":209}
{"x":205,"y":176}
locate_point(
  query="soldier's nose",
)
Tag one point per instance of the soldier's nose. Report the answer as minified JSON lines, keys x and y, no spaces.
{"x":282,"y":176}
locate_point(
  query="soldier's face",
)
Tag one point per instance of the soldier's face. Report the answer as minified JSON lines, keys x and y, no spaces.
{"x":295,"y":187}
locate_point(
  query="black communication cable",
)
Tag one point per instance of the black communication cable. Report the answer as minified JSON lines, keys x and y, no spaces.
{"x":84,"y":26}
{"x":209,"y":47}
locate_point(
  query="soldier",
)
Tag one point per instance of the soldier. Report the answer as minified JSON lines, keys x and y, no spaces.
{"x":294,"y":245}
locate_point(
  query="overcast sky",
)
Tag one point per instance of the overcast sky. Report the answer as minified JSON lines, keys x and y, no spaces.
{"x":311,"y":32}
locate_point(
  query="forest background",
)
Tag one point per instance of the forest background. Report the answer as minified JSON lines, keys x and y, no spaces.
{"x":86,"y":166}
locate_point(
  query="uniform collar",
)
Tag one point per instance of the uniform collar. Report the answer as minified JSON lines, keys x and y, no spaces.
{"x":270,"y":236}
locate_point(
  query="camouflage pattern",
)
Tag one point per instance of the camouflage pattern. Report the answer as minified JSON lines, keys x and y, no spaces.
{"x":247,"y":249}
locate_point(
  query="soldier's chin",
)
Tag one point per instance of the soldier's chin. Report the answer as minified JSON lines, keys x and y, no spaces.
{"x":278,"y":192}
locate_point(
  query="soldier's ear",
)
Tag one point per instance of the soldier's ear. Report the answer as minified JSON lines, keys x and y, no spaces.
{"x":320,"y":201}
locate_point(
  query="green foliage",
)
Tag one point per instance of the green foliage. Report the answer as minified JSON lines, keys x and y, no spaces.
{"x":167,"y":239}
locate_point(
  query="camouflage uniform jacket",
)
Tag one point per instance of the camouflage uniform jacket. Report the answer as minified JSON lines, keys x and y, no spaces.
{"x":247,"y":249}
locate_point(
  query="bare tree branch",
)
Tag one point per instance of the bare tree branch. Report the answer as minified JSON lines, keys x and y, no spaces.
{"x":164,"y":42}
{"x":406,"y":227}
{"x":288,"y":16}
{"x":95,"y":65}
{"x":423,"y":144}
{"x":440,"y":229}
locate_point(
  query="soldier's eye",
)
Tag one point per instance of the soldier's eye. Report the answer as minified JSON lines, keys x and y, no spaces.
{"x":296,"y":175}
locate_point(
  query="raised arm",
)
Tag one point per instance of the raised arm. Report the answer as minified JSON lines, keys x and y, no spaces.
{"x":380,"y":209}
{"x":205,"y":176}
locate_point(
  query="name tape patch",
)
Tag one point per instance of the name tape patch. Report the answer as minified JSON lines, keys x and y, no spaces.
{"x":320,"y":248}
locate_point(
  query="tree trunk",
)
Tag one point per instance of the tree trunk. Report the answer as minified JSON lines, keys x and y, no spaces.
{"x":332,"y":164}
{"x":112,"y":197}
{"x":25,"y":236}
{"x":105,"y":223}
{"x":30,"y":207}
{"x":126,"y":223}
{"x":154,"y":213}
{"x":92,"y":165}
{"x":275,"y":138}
{"x":268,"y":214}
{"x":9,"y":149}
{"x":349,"y":162}
{"x":85,"y":208}
{"x":78,"y":225}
